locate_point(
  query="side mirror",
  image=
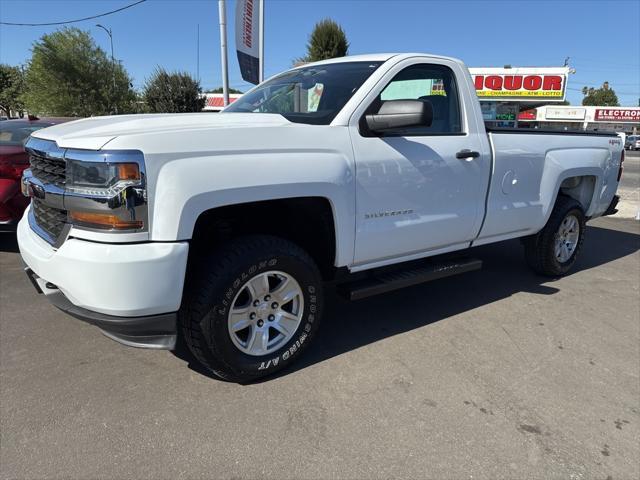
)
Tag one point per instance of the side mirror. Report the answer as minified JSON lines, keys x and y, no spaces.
{"x":399,"y":114}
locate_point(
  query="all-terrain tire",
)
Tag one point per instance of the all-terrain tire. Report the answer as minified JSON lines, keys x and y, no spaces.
{"x":217,"y":279}
{"x":540,"y":249}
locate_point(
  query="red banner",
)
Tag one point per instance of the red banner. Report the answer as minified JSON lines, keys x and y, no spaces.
{"x":528,"y":115}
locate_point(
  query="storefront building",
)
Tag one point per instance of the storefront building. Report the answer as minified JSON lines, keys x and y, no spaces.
{"x":215,"y":101}
{"x":505,"y":92}
{"x":593,"y":118}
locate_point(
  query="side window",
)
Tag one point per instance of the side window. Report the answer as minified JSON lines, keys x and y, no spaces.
{"x":433,"y":83}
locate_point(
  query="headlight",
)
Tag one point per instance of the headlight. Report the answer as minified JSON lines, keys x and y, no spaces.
{"x":106,"y":190}
{"x":101,"y":178}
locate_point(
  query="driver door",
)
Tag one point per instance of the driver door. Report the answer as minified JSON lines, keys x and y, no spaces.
{"x":414,"y":196}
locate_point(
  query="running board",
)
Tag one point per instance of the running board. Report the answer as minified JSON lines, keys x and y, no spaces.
{"x":389,"y":281}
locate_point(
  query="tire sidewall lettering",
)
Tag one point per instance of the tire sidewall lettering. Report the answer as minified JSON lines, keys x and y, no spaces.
{"x":312,"y":296}
{"x":297,"y":344}
{"x":240,"y":280}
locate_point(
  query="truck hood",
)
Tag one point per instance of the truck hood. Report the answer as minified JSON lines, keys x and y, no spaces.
{"x":95,"y":132}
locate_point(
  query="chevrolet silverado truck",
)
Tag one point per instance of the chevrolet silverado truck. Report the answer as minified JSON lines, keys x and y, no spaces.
{"x":367,"y":173}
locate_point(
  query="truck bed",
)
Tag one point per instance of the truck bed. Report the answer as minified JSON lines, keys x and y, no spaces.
{"x":528,"y":174}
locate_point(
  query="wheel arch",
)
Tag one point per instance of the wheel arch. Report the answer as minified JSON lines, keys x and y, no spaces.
{"x":581,"y":188}
{"x":579,"y":173}
{"x":310,"y":222}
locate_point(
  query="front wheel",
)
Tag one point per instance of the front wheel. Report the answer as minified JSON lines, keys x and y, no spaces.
{"x":554,"y":249}
{"x":252,"y":307}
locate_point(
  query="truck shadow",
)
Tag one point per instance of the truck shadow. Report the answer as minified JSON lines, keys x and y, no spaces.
{"x":349,"y":325}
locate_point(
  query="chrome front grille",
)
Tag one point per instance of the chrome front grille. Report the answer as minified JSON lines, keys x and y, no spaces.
{"x":48,"y":170}
{"x":45,"y":180}
{"x":49,"y":219}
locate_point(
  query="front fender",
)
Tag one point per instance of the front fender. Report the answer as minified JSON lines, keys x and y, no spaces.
{"x":187,"y":187}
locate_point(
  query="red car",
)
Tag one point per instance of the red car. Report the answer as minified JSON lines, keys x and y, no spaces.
{"x":13,"y":160}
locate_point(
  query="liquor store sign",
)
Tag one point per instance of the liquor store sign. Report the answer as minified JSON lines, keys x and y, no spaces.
{"x":520,"y":84}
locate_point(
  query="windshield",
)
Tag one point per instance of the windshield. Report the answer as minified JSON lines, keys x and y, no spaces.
{"x":313,"y":94}
{"x":15,"y":133}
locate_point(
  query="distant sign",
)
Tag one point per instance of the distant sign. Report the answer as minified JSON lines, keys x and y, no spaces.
{"x":528,"y":115}
{"x":520,"y":84}
{"x":506,"y":112}
{"x":559,"y":113}
{"x":617,"y":114}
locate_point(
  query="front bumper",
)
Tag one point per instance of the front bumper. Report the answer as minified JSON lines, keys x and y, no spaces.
{"x":151,"y":331}
{"x":130,"y":291}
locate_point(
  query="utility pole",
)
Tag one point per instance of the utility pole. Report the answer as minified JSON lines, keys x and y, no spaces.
{"x":21,"y":111}
{"x":222,"y":13}
{"x":261,"y":42}
{"x":198,"y":55}
{"x":113,"y":70}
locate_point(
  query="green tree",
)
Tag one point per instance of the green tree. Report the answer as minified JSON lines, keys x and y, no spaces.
{"x":174,"y":92}
{"x":327,"y":40}
{"x":11,"y":89}
{"x":139,"y":104}
{"x":69,"y":75}
{"x":219,"y":90}
{"x":604,"y":95}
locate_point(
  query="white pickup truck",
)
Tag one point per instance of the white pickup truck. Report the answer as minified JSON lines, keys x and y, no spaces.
{"x":220,"y":230}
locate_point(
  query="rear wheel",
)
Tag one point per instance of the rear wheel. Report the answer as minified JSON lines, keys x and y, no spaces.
{"x":252,"y":307}
{"x":554,"y":249}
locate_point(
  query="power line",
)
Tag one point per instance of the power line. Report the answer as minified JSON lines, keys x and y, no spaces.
{"x":72,"y":21}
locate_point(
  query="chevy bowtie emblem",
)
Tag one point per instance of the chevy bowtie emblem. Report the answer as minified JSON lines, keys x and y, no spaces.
{"x":35,"y":191}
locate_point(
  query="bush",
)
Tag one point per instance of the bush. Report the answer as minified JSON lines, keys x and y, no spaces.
{"x":175,"y":92}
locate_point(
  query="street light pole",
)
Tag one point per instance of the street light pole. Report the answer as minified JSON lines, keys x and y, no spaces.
{"x":113,"y":69}
{"x":261,"y":42}
{"x":222,"y":14}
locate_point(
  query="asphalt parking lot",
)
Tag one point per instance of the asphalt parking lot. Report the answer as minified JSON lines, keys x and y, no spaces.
{"x":493,"y":374}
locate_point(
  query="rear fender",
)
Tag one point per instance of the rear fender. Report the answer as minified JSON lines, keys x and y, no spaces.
{"x":564,"y":164}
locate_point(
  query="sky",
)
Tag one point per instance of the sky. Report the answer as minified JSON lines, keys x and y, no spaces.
{"x":601,"y":39}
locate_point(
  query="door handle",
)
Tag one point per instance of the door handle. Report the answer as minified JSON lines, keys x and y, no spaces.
{"x":467,"y":154}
